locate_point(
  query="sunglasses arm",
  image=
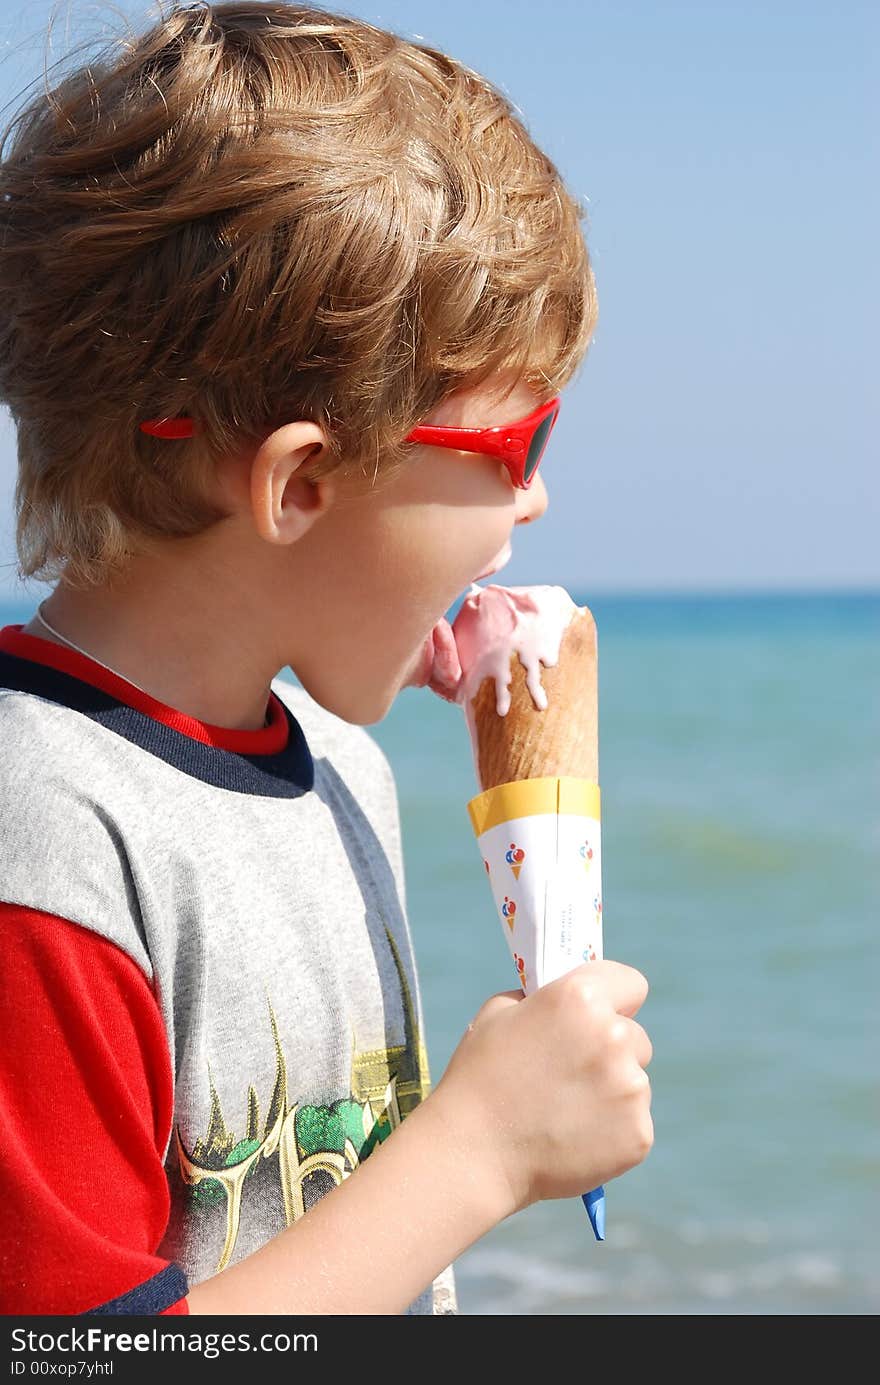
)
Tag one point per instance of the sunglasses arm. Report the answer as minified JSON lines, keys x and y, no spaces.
{"x":492,"y":442}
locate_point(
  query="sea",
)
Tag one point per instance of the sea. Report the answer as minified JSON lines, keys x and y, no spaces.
{"x":740,"y":776}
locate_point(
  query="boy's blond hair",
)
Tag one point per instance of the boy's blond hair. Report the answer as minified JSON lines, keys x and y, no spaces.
{"x":255,"y":213}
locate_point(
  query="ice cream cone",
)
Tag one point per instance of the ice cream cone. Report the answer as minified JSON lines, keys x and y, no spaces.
{"x":535,"y":743}
{"x":533,"y":723}
{"x":529,"y":742}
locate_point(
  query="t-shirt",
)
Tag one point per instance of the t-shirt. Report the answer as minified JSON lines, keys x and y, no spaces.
{"x":210,"y":1005}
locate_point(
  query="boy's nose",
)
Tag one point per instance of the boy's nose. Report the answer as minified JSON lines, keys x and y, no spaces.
{"x":531,"y":504}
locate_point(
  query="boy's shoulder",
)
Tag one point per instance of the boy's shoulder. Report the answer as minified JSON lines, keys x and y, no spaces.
{"x":33,"y":735}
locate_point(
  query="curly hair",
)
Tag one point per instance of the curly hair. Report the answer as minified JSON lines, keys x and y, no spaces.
{"x":253,"y":213}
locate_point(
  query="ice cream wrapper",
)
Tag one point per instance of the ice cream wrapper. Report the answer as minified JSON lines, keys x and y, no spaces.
{"x":541,"y":845}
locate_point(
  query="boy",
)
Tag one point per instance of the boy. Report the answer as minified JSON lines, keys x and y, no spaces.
{"x":241,"y":259}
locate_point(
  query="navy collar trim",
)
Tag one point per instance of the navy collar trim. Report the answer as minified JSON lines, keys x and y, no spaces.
{"x":284,"y":773}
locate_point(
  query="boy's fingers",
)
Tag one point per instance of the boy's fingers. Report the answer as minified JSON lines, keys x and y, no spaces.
{"x":643,"y":1049}
{"x":623,"y":987}
{"x":502,"y":1001}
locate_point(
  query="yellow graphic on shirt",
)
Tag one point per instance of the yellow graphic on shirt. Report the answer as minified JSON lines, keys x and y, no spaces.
{"x":317,"y":1146}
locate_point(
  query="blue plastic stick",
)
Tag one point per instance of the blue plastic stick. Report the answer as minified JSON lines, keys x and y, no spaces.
{"x":595,"y":1205}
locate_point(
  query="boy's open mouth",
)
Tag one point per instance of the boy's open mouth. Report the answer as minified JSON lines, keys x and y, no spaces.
{"x":438,"y":667}
{"x":498,"y":562}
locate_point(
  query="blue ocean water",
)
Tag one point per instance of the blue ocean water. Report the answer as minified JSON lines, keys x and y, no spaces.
{"x":739,"y":758}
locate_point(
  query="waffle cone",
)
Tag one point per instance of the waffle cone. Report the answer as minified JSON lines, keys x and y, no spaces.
{"x":563,"y":739}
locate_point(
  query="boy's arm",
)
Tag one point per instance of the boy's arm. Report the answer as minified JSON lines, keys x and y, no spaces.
{"x":571,"y":1054}
{"x":86,"y":1100}
{"x":371,"y":1245}
{"x":544,"y":1096}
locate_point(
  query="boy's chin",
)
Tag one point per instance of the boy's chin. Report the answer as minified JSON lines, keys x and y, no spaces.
{"x":365,"y":705}
{"x":359,"y":705}
{"x":434,"y":666}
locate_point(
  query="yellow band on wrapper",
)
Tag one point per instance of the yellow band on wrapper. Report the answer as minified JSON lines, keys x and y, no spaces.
{"x":540,"y":840}
{"x":524,"y":798}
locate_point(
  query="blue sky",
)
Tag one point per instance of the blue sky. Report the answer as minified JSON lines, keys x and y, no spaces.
{"x":721,"y":434}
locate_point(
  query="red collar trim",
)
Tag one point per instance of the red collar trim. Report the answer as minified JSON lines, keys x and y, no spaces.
{"x":269,"y":740}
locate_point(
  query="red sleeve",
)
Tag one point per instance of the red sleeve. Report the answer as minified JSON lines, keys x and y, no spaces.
{"x":86,"y":1104}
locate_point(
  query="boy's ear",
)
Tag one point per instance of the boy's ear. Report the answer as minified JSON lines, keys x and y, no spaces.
{"x":284,"y":502}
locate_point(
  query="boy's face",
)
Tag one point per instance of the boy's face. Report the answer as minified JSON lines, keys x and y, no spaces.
{"x":376,"y":572}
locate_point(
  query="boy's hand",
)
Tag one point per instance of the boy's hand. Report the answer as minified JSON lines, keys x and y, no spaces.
{"x":550,"y":1091}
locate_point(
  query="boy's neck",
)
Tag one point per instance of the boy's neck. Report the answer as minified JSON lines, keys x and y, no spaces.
{"x":201,"y":656}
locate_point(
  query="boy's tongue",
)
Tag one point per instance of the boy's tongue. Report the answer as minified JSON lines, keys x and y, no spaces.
{"x":444,"y":669}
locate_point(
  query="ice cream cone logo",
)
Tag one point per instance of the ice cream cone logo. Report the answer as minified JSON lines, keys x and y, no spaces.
{"x":521,"y":968}
{"x":589,"y":954}
{"x":597,"y":905}
{"x":508,"y":909}
{"x":514,"y":856}
{"x":587,"y":853}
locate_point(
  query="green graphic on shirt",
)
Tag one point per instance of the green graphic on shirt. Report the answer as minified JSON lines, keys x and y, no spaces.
{"x":317,"y":1146}
{"x":210,"y":1191}
{"x":317,"y":1129}
{"x":329,"y":1127}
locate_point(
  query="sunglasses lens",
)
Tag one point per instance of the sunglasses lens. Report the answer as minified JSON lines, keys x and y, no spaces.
{"x":537,"y":445}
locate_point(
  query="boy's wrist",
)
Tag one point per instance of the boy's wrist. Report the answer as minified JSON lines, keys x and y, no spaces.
{"x":462,"y":1132}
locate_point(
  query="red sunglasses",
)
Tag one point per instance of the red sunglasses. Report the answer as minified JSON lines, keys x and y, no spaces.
{"x":520,"y":446}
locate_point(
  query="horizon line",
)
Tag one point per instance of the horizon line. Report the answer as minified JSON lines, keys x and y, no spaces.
{"x":733,"y":593}
{"x":623,"y":593}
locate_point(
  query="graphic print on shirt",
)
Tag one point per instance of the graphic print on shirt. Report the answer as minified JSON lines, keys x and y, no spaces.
{"x":317,"y":1146}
